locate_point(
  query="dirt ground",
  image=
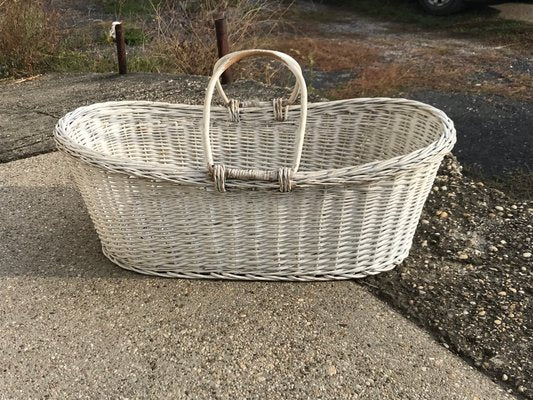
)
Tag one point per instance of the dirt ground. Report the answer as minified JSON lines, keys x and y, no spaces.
{"x":516,"y":11}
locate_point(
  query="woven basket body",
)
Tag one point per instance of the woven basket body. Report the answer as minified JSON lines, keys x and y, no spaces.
{"x":351,"y":210}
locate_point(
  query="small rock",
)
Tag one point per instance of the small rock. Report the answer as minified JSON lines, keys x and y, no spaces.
{"x":482,"y":313}
{"x":498,"y":208}
{"x":514,"y":207}
{"x":425,"y":222}
{"x":463,"y":256}
{"x":521,"y":389}
{"x":504,"y":377}
{"x":332,"y":370}
{"x":502,"y":293}
{"x":497,"y":361}
{"x":494,"y":249}
{"x":444,"y":188}
{"x":497,"y":322}
{"x":443,"y":215}
{"x":526,"y":254}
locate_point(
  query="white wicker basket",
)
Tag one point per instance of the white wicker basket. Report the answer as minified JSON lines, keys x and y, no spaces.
{"x":342,"y":203}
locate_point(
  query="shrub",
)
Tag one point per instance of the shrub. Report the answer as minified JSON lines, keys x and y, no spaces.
{"x":184,"y":30}
{"x":29,"y":36}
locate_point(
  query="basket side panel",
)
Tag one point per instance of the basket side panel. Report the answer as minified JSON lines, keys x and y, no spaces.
{"x":311,"y":233}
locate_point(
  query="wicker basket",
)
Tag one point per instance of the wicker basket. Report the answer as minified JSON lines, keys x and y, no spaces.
{"x":238,"y":192}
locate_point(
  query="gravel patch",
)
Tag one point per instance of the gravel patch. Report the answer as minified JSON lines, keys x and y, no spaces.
{"x":468,"y":277}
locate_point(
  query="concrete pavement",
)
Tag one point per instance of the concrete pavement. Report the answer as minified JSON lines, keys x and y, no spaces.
{"x":73,"y":325}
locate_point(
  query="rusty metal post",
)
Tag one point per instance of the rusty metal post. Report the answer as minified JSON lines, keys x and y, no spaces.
{"x":221,"y":29}
{"x":121,"y":49}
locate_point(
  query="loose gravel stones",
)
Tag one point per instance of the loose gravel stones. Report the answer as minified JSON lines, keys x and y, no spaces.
{"x":477,"y":260}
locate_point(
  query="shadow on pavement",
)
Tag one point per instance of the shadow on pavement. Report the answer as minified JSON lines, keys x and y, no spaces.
{"x":50,"y":225}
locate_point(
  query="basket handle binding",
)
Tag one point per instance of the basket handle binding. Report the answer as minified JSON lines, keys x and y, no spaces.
{"x":219,"y":172}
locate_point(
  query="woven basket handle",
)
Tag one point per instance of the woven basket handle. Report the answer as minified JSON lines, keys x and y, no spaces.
{"x":218,"y":172}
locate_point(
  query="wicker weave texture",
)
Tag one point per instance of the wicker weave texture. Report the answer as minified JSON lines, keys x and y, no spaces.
{"x":363,"y":174}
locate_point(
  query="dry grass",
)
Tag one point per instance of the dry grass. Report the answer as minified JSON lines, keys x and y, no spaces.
{"x":375,"y":80}
{"x":327,"y":54}
{"x":376,"y":74}
{"x":163,"y":35}
{"x":315,"y":53}
{"x":394,"y":79}
{"x":29,"y":36}
{"x":184,"y":30}
{"x":512,"y":86}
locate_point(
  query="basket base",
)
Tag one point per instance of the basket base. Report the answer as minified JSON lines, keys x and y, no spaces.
{"x":256,"y":277}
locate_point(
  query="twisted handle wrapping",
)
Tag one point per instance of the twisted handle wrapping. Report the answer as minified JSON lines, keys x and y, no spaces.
{"x":283,"y":175}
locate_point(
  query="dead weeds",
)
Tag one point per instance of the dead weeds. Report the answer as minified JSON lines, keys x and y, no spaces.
{"x":29,"y":36}
{"x":391,"y":67}
{"x":327,"y":54}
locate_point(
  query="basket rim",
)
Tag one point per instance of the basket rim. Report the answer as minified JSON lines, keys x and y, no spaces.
{"x":372,"y":171}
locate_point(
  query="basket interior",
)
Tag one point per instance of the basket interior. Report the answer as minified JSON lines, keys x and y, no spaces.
{"x":340,"y":135}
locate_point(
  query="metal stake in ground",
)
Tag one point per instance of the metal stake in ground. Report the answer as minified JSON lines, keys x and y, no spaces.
{"x":221,"y":29}
{"x":121,"y":49}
